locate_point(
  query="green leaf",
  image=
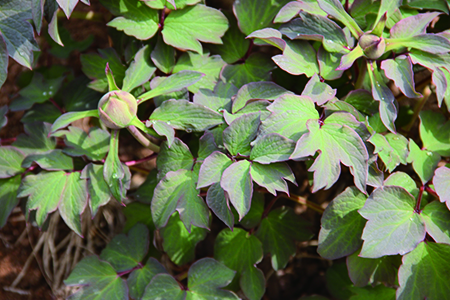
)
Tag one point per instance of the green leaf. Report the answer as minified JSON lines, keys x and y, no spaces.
{"x":70,"y":44}
{"x":436,"y":217}
{"x":348,"y":59}
{"x":79,"y":97}
{"x":329,"y":63}
{"x":208,"y":65}
{"x":206,"y":147}
{"x":254,"y":215}
{"x":338,"y":282}
{"x":179,"y":4}
{"x":163,"y":56}
{"x":403,"y":180}
{"x":212,"y":168}
{"x":272,"y":177}
{"x":98,"y":280}
{"x":341,"y":225}
{"x":94,"y":144}
{"x":8,"y":196}
{"x":425,"y":42}
{"x":136,"y":212}
{"x":337,"y":143}
{"x":185,"y":115}
{"x":243,"y":130}
{"x":44,"y":112}
{"x":291,"y":10}
{"x":237,"y":182}
{"x":238,"y":250}
{"x":217,"y":99}
{"x":3,"y":64}
{"x":35,"y":139}
{"x":318,"y":91}
{"x":429,"y":4}
{"x":257,"y":67}
{"x":70,"y":117}
{"x":420,"y":274}
{"x":253,"y":283}
{"x":67,"y":6}
{"x":39,"y":90}
{"x":206,"y":277}
{"x":435,"y":132}
{"x":51,"y":160}
{"x":163,"y":286}
{"x":144,"y":193}
{"x":186,"y":28}
{"x":363,"y":271}
{"x":383,"y":94}
{"x":219,"y":204}
{"x":178,"y":243}
{"x":93,"y":65}
{"x":10,"y":161}
{"x":271,"y":148}
{"x":98,"y":188}
{"x":135,"y":18}
{"x":139,"y":278}
{"x":405,"y":229}
{"x":170,"y":84}
{"x":289,"y":116}
{"x":246,"y":10}
{"x":164,"y":129}
{"x":336,"y":10}
{"x":424,"y":162}
{"x":174,"y":158}
{"x":124,"y":252}
{"x":278,"y":233}
{"x":317,"y":28}
{"x":392,"y":149}
{"x":3,"y":111}
{"x":268,"y":36}
{"x":66,"y":191}
{"x":116,"y":174}
{"x":400,"y":70}
{"x":373,"y":293}
{"x":441,"y":183}
{"x":363,"y":101}
{"x":140,"y":71}
{"x":298,"y":57}
{"x":177,"y":191}
{"x":17,"y":33}
{"x":257,"y":90}
{"x":235,"y":45}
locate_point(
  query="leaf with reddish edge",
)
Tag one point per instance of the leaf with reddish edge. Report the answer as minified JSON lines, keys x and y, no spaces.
{"x":441,"y":183}
{"x":336,"y":143}
{"x":428,"y":42}
{"x":292,"y":9}
{"x":298,"y":57}
{"x":257,"y":90}
{"x":272,"y":176}
{"x":177,"y":157}
{"x":421,"y":274}
{"x":271,"y":148}
{"x":242,"y":131}
{"x":238,"y":184}
{"x":270,"y":36}
{"x":139,"y":278}
{"x":424,"y":162}
{"x":335,"y":9}
{"x":405,"y":229}
{"x":219,"y":204}
{"x":436,"y":217}
{"x":319,"y":91}
{"x":435,"y":132}
{"x":212,"y":168}
{"x":400,"y":71}
{"x":412,"y":26}
{"x":328,"y":64}
{"x":348,"y":59}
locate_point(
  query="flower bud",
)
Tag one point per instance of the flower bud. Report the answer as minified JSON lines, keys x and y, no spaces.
{"x":117,"y":109}
{"x":372,"y":45}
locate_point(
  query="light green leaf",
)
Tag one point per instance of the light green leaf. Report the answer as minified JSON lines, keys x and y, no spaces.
{"x":337,"y":143}
{"x":298,"y":57}
{"x":318,"y":91}
{"x":212,"y":168}
{"x":186,"y":28}
{"x":289,"y":116}
{"x":436,"y":217}
{"x":278,"y":233}
{"x":272,"y":177}
{"x":271,"y":148}
{"x":329,"y":63}
{"x":94,"y":144}
{"x":392,"y":149}
{"x":237,"y":182}
{"x":98,"y":188}
{"x":243,"y":130}
{"x":246,"y":10}
{"x":403,"y":180}
{"x":400,"y":70}
{"x":179,"y":4}
{"x":164,"y":129}
{"x":435,"y":132}
{"x":217,"y":99}
{"x":427,"y":42}
{"x":257,"y":90}
{"x":268,"y":36}
{"x":208,"y":65}
{"x":341,"y":225}
{"x":140,"y":278}
{"x":140,"y":71}
{"x":178,"y":243}
{"x":174,"y":158}
{"x":10,"y":161}
{"x":405,"y":229}
{"x":64,"y":190}
{"x":441,"y":183}
{"x":135,"y":18}
{"x":424,"y":162}
{"x":336,"y":10}
{"x":291,"y":10}
{"x":420,"y":274}
{"x":69,"y":117}
{"x":185,"y":115}
{"x":35,"y":139}
{"x":98,"y":280}
{"x":163,"y":287}
{"x":8,"y":197}
{"x":163,"y":56}
{"x":51,"y":160}
{"x":257,"y":67}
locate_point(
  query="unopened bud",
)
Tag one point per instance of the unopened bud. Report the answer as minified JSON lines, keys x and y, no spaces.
{"x":117,"y":109}
{"x":372,"y":45}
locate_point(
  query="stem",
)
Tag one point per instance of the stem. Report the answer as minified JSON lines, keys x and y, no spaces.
{"x":163,"y":17}
{"x":139,"y":266}
{"x":139,"y":161}
{"x":7,"y":141}
{"x":431,"y":191}
{"x":304,"y":201}
{"x":56,"y":105}
{"x":142,"y":139}
{"x":418,"y":107}
{"x":269,"y":207}
{"x":419,"y":199}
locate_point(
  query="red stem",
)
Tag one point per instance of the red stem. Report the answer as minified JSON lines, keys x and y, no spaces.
{"x":7,"y":141}
{"x":419,"y":199}
{"x":56,"y":105}
{"x":142,"y":160}
{"x":431,"y":192}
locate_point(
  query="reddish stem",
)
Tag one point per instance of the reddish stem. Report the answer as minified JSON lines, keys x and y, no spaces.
{"x":8,"y":141}
{"x":142,"y":160}
{"x":139,"y":266}
{"x":269,"y":207}
{"x":56,"y":105}
{"x":419,"y":199}
{"x":431,"y":191}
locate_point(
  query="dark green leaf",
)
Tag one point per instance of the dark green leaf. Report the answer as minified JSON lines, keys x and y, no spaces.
{"x":257,"y":90}
{"x":373,"y":293}
{"x":43,"y":112}
{"x":52,"y":160}
{"x":436,"y":217}
{"x":212,"y":168}
{"x":35,"y":139}
{"x":328,"y":64}
{"x":139,"y":278}
{"x":253,"y":283}
{"x":254,"y":215}
{"x":163,"y":286}
{"x":8,"y":197}
{"x":243,"y":130}
{"x":140,"y":70}
{"x":163,"y":56}
{"x":10,"y":161}
{"x":217,"y":99}
{"x":363,"y":101}
{"x":219,"y":204}
{"x":3,"y":111}
{"x":272,"y":176}
{"x":98,"y":188}
{"x":70,"y":45}
{"x":174,"y":158}
{"x":271,"y":148}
